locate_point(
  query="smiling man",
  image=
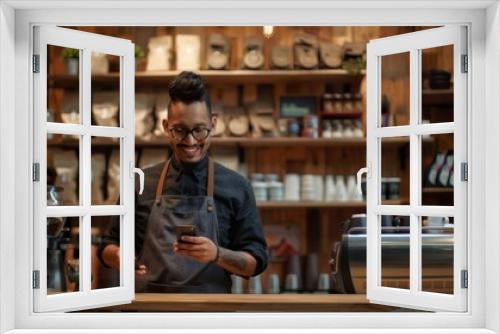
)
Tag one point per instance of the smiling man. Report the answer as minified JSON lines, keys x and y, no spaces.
{"x":196,"y":221}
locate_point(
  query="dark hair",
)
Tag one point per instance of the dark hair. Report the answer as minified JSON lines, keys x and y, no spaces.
{"x":189,"y":87}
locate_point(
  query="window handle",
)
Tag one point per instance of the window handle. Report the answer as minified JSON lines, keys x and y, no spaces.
{"x":361,"y":171}
{"x":139,"y":171}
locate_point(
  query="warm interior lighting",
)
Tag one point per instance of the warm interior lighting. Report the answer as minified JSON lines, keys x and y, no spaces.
{"x":268,"y":31}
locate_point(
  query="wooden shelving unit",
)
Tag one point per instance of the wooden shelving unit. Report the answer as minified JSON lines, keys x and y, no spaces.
{"x":437,"y":190}
{"x":239,"y":141}
{"x":435,"y":97}
{"x":320,"y":204}
{"x":309,"y":204}
{"x":212,"y":76}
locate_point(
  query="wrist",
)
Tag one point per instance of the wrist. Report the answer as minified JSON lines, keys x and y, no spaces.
{"x":216,"y":255}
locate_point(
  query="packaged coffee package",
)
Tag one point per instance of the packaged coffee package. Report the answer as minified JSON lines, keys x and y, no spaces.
{"x":98,"y":165}
{"x":144,"y":121}
{"x":100,"y":63}
{"x":305,"y":50}
{"x":159,"y":53}
{"x":187,"y":48}
{"x":113,"y":178}
{"x":161,"y":112}
{"x":70,"y":108}
{"x":66,"y":163}
{"x":331,"y":55}
{"x":253,"y":57}
{"x":217,"y":52}
{"x":105,"y":108}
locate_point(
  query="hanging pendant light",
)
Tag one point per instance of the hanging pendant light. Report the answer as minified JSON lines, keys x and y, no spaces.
{"x":268,"y":31}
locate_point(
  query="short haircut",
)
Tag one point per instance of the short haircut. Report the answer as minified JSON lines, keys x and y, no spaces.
{"x":189,"y":87}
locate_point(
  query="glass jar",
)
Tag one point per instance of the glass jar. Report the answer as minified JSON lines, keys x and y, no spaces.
{"x":348,"y":105}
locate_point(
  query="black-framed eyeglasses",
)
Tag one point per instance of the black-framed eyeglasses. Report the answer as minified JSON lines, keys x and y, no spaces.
{"x":199,"y":132}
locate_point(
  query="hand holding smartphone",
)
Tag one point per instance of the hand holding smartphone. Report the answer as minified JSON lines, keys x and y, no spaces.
{"x":182,"y":230}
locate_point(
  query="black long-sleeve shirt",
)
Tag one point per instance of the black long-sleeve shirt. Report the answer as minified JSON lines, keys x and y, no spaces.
{"x":238,"y":218}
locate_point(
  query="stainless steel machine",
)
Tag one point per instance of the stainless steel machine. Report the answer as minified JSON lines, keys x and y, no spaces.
{"x":349,"y":259}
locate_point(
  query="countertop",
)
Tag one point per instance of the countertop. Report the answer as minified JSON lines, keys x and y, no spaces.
{"x":157,"y":302}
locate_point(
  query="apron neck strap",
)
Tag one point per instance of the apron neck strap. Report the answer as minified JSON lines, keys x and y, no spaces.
{"x":210,"y":178}
{"x":164,"y":172}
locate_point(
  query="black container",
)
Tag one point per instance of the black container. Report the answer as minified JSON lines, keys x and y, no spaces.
{"x":439,"y":79}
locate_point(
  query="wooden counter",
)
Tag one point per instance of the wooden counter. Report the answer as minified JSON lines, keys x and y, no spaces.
{"x":156,"y":302}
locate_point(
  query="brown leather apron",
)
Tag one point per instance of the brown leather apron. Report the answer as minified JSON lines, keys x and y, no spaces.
{"x":170,"y":272}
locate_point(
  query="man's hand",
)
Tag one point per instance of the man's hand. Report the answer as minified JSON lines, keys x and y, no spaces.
{"x":111,"y":256}
{"x":140,"y":270}
{"x":199,"y":248}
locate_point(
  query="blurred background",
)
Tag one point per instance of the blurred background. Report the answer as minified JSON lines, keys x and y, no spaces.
{"x":291,"y":108}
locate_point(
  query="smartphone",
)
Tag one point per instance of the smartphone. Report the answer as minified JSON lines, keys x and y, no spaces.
{"x":185,"y":230}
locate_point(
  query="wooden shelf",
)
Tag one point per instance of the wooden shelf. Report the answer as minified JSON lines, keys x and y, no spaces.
{"x":437,"y":190}
{"x":161,"y":142}
{"x":309,"y":204}
{"x":166,"y":302}
{"x":436,"y":97}
{"x":212,"y":76}
{"x":342,"y":114}
{"x":321,"y":204}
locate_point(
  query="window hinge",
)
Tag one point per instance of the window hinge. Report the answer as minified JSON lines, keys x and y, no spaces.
{"x":464,"y":279}
{"x":36,"y":172}
{"x":465,"y":64}
{"x":36,"y":279}
{"x":464,"y":171}
{"x":36,"y":63}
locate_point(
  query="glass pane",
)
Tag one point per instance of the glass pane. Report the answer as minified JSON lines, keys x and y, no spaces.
{"x":63,"y":96}
{"x":105,"y":85}
{"x":105,"y":171}
{"x":104,"y":229}
{"x":437,"y":254}
{"x":63,"y":267}
{"x":437,"y":84}
{"x":395,"y":251}
{"x":63,"y":159}
{"x":437,"y":169}
{"x":395,"y":171}
{"x":395,"y":80}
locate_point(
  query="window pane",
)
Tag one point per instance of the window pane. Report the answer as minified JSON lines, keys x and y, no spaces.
{"x":63,"y":265}
{"x":395,"y":171}
{"x":437,"y":84}
{"x":63,"y":159}
{"x":106,"y":170}
{"x":105,"y":83}
{"x":102,"y":227}
{"x":395,"y":98}
{"x":437,"y":254}
{"x":395,"y":251}
{"x":63,"y":78}
{"x":437,"y":170}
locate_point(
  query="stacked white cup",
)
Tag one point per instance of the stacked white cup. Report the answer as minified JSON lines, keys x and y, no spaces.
{"x":292,"y":187}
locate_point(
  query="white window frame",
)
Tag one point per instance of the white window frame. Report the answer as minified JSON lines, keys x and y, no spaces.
{"x":86,"y":43}
{"x":413,"y":44}
{"x":483,"y":124}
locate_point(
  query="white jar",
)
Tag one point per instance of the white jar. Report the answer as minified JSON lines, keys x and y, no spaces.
{"x":292,"y":187}
{"x":276,"y":192}
{"x":260,"y":190}
{"x":340,"y":188}
{"x":329,"y":188}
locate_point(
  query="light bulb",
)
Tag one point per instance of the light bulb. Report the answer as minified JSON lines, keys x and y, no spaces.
{"x":268,"y":31}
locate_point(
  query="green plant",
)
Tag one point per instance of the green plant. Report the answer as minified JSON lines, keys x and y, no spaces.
{"x":69,"y":53}
{"x":139,"y":53}
{"x":354,"y":65}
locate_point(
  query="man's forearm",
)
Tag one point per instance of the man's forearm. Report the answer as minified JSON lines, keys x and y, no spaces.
{"x":237,"y":262}
{"x":111,"y":256}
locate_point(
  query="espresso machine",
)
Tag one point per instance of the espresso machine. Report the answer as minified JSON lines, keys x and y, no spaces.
{"x":58,"y":239}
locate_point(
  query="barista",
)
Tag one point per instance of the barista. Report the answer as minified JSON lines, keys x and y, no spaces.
{"x":189,"y":189}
